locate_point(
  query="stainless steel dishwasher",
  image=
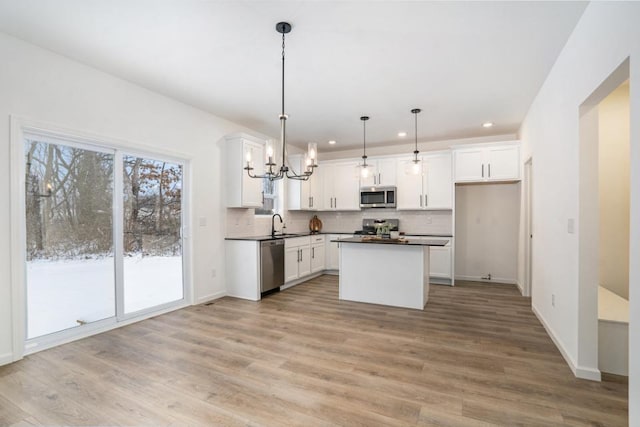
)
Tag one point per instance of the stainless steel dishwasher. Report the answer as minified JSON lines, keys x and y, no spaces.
{"x":271,"y":264}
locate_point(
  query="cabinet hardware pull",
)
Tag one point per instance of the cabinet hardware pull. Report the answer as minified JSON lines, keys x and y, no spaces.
{"x":335,"y":202}
{"x":483,"y":170}
{"x":421,"y":200}
{"x":311,"y":201}
{"x":426,"y":198}
{"x":313,"y":253}
{"x":489,"y":170}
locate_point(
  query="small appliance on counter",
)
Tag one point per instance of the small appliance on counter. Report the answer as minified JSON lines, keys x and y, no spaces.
{"x":369,"y":226}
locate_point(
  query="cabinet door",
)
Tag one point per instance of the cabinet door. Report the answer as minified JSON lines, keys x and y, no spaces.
{"x":439,"y":188}
{"x":386,"y":172}
{"x":252,"y":187}
{"x":304,"y":267}
{"x":326,"y":184}
{"x":314,"y":186}
{"x":469,"y":165}
{"x":503,"y":163}
{"x":291,"y":261}
{"x":317,"y":258}
{"x":331,"y":252}
{"x":346,"y":187}
{"x":409,"y":187}
{"x":440,"y":261}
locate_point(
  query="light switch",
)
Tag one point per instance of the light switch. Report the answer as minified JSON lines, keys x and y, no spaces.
{"x":571,"y":226}
{"x":202,"y":221}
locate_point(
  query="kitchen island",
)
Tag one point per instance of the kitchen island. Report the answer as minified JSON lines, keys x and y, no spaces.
{"x":391,"y":272}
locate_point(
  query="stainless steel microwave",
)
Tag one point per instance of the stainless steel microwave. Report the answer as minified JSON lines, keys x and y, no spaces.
{"x":377,"y":197}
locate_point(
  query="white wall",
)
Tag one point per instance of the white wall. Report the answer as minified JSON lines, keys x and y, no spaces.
{"x":39,"y":85}
{"x":487,"y":221}
{"x":606,"y":35}
{"x":613,"y":177}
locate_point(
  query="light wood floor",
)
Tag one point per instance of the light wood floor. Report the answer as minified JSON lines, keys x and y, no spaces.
{"x":476,"y":356}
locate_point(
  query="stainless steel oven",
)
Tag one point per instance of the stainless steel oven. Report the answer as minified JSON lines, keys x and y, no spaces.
{"x":378,"y":197}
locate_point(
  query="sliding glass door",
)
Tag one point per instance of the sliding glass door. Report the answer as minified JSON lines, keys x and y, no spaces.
{"x":69,"y":233}
{"x":152,"y":233}
{"x":103,"y":235}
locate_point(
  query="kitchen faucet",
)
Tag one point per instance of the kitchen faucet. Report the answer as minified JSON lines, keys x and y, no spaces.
{"x":273,"y":228}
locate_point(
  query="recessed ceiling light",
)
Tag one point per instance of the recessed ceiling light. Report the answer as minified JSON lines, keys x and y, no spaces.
{"x":402,"y":134}
{"x":487,"y":124}
{"x":332,"y":142}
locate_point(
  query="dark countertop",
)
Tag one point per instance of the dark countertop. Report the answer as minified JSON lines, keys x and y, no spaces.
{"x":410,"y":242}
{"x":281,"y":236}
{"x":302,"y":234}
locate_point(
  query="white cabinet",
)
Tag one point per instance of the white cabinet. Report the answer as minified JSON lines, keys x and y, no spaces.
{"x":496,"y":162}
{"x":432,"y":189}
{"x":439,"y":258}
{"x":332,"y":250}
{"x":304,"y":195}
{"x":340,"y":186}
{"x":317,"y":253}
{"x":440,"y":262}
{"x":297,"y":258}
{"x":243,"y":191}
{"x":384,"y":173}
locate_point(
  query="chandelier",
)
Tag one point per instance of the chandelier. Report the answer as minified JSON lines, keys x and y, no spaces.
{"x":272,"y":172}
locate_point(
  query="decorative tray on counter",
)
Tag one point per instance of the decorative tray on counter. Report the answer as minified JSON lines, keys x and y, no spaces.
{"x":384,"y":239}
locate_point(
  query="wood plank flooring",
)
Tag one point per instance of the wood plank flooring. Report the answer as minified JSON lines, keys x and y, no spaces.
{"x":476,"y":356}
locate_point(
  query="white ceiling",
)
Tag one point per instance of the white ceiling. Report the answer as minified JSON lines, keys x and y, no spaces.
{"x":463,"y":63}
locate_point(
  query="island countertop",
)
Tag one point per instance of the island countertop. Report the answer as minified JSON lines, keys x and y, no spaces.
{"x":399,"y":242}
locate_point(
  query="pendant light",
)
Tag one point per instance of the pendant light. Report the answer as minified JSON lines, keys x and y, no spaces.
{"x":365,"y":170}
{"x":311,"y":157}
{"x":415,"y":166}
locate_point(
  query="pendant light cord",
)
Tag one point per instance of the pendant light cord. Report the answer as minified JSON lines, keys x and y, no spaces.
{"x":415,"y":112}
{"x":364,"y":139}
{"x":282,"y":116}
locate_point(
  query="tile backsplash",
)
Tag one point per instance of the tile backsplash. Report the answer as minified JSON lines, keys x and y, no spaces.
{"x":243,"y":222}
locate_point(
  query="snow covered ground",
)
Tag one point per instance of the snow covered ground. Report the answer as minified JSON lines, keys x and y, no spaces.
{"x":59,"y":293}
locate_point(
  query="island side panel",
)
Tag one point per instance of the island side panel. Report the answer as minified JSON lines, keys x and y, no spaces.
{"x":385,"y":274}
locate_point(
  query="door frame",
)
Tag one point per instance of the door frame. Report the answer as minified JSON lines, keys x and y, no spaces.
{"x":528,"y":228}
{"x":19,"y":126}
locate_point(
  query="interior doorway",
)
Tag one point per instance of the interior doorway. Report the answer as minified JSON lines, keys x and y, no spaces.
{"x":599,"y":185}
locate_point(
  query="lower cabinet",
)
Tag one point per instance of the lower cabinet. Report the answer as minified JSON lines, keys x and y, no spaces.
{"x":439,"y":258}
{"x":440,"y":262}
{"x":317,"y":254}
{"x":332,"y":251}
{"x":297,"y":258}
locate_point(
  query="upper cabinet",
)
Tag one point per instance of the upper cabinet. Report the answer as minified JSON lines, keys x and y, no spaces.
{"x":304,"y":195}
{"x":430,"y":189}
{"x":495,"y":162}
{"x":242,"y":190}
{"x":384,"y":173}
{"x":340,"y":186}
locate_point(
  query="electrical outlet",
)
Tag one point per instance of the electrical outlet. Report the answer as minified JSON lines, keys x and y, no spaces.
{"x":202,"y":221}
{"x":571,"y":226}
{"x":553,"y":300}
{"x":213,"y":273}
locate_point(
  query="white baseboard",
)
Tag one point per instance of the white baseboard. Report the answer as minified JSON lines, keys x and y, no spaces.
{"x":6,"y":358}
{"x":503,"y":280}
{"x":578,"y":371}
{"x":211,"y":297}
